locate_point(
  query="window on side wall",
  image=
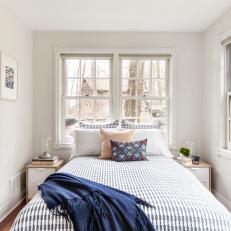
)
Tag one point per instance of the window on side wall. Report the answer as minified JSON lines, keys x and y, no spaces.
{"x":228,"y":94}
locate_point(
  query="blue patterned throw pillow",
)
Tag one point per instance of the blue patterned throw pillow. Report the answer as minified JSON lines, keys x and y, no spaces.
{"x":129,"y":151}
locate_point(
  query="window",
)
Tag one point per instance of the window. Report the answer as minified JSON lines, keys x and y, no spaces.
{"x":112,"y":85}
{"x":86,"y":90}
{"x":145,"y":92}
{"x":228,"y":94}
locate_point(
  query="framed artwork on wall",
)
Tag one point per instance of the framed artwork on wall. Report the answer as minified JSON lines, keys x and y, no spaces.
{"x":8,"y":77}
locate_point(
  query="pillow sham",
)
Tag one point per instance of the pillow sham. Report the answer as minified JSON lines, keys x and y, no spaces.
{"x":87,"y":142}
{"x":99,"y":125}
{"x":129,"y":125}
{"x":129,"y":151}
{"x":157,"y":143}
{"x":108,"y":135}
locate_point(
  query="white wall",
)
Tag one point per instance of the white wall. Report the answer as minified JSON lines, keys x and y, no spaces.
{"x":221,"y":170}
{"x":188,"y":47}
{"x":15,"y":116}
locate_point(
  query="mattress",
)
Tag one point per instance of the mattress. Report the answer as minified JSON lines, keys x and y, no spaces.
{"x":181,"y":202}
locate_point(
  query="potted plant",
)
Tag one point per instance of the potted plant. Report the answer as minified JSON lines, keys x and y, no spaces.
{"x":185,"y":153}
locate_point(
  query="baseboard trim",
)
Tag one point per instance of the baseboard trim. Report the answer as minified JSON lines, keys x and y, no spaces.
{"x":12,"y":208}
{"x":222,"y":199}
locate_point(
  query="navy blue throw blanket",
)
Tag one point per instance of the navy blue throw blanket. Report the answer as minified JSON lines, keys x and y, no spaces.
{"x":92,"y":206}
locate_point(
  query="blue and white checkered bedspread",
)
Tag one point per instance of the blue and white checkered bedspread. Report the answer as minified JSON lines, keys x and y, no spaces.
{"x":181,"y":202}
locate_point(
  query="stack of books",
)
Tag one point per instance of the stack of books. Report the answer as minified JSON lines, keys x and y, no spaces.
{"x":51,"y":161}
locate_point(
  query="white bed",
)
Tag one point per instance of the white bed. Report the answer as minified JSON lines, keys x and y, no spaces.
{"x":181,"y":202}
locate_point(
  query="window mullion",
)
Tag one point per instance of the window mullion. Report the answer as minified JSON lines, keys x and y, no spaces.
{"x":94,"y":85}
{"x":94,"y":77}
{"x":150,"y":81}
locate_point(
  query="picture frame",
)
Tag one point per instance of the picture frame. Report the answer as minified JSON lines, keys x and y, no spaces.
{"x":8,"y":77}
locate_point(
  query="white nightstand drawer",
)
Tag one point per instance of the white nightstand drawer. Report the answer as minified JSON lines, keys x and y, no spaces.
{"x":201,"y":173}
{"x":38,"y":175}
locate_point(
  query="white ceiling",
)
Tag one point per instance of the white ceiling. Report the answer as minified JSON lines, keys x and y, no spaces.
{"x":118,"y":15}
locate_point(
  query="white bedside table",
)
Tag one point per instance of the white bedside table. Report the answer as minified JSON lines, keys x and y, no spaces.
{"x":202,"y":171}
{"x":36,"y":174}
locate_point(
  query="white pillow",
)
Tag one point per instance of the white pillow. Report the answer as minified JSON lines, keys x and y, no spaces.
{"x":87,"y":142}
{"x":156,"y":144}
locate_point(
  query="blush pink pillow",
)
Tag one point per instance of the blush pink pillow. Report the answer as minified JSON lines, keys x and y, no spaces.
{"x":107,"y":136}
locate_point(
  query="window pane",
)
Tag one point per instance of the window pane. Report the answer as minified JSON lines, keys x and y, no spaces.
{"x":129,"y":108}
{"x":129,"y":68}
{"x":87,"y":68}
{"x":151,"y":109}
{"x":143,"y":87}
{"x":72,"y":108}
{"x":159,"y":69}
{"x":125,"y":68}
{"x":72,"y":87}
{"x":101,"y":109}
{"x":102,"y":68}
{"x":86,"y":109}
{"x":72,"y":67}
{"x":144,"y":111}
{"x":158,"y":88}
{"x":71,"y":114}
{"x":102,"y":87}
{"x":144,"y":68}
{"x":87,"y":87}
{"x":136,"y":68}
{"x":129,"y":87}
{"x":81,"y":68}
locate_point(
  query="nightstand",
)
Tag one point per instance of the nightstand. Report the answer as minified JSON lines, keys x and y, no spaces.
{"x":36,"y":174}
{"x":202,"y":171}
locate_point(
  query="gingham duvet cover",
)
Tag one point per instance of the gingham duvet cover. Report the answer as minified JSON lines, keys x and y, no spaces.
{"x":181,"y":202}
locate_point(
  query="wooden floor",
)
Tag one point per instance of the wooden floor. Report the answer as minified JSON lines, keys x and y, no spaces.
{"x":8,"y":221}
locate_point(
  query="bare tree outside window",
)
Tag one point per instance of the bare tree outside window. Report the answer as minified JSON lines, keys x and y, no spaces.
{"x":144,"y":90}
{"x":87,"y":91}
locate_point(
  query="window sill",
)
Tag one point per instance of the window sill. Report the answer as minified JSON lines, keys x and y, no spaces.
{"x":224,"y":153}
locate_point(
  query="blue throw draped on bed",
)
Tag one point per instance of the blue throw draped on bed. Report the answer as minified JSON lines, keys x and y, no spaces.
{"x":92,"y":206}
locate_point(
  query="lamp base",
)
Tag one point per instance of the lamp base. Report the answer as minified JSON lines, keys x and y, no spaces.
{"x":45,"y":156}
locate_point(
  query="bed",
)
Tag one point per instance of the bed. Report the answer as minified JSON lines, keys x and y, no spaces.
{"x":181,"y":202}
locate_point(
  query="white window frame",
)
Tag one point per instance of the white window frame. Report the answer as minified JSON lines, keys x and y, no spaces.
{"x":167,"y":86}
{"x":228,"y":120}
{"x":93,"y":97}
{"x":116,"y":85}
{"x":224,"y":148}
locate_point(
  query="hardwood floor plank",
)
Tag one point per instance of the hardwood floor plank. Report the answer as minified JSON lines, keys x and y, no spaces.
{"x":8,"y":221}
